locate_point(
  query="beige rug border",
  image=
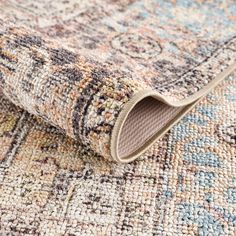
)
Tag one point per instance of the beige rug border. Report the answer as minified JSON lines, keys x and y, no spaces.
{"x":189,"y":103}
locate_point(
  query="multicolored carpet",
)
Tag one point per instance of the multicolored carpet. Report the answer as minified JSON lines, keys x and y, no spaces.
{"x":91,"y":67}
{"x":117,"y":118}
{"x":184,"y":185}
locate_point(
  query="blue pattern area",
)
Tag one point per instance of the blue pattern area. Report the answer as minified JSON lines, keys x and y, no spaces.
{"x":203,"y":142}
{"x":206,"y":223}
{"x":229,"y":216}
{"x":205,"y":179}
{"x":208,"y":111}
{"x":231,"y":195}
{"x":202,"y":158}
{"x":194,"y":118}
{"x":209,"y":19}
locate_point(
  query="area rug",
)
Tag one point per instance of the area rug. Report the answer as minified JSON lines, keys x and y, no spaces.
{"x":117,"y":117}
{"x":115,"y":75}
{"x":184,"y":185}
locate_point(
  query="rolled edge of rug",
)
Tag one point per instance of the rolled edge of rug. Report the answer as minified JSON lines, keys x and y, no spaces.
{"x":87,"y":101}
{"x":148,"y":116}
{"x":62,"y":87}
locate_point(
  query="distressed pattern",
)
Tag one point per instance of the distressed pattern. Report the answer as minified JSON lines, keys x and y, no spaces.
{"x":76,"y":64}
{"x":184,"y":185}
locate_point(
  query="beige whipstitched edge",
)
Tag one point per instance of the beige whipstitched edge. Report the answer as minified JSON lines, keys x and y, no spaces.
{"x":189,"y":103}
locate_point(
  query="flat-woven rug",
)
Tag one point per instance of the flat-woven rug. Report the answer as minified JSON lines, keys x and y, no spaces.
{"x":89,"y":86}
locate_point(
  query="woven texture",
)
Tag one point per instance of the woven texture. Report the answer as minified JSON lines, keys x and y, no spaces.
{"x":77,"y":75}
{"x":184,"y":185}
{"x":76,"y":64}
{"x":143,"y":122}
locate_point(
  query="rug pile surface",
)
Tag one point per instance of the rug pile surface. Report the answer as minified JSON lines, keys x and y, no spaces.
{"x":90,"y":68}
{"x":184,"y":185}
{"x":117,"y":117}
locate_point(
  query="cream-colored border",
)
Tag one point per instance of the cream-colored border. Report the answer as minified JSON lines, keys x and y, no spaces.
{"x":189,"y":102}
